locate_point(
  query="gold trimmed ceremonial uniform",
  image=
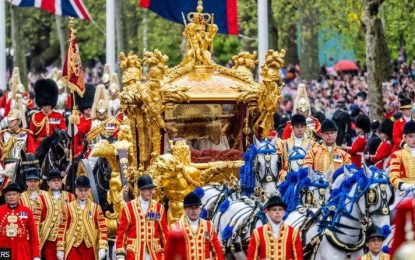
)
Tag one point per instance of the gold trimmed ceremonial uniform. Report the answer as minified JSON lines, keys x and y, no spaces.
{"x":141,"y":231}
{"x":51,"y":218}
{"x":34,"y":204}
{"x":200,"y":244}
{"x":402,"y":167}
{"x":83,"y":228}
{"x":319,"y":158}
{"x":263,"y":244}
{"x":382,"y":256}
{"x":286,"y":148}
{"x":19,"y":232}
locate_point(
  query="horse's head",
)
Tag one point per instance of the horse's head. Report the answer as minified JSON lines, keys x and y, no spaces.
{"x":314,"y":189}
{"x":378,"y":196}
{"x":266,"y":170}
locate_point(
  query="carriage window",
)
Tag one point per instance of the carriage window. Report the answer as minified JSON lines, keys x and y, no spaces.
{"x":212,"y":131}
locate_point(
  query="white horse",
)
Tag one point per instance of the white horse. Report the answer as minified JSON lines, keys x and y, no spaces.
{"x":235,"y":221}
{"x":212,"y":196}
{"x":265,"y":164}
{"x":310,"y":192}
{"x":365,"y":198}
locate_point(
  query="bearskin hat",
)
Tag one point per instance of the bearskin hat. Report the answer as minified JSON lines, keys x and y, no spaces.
{"x":409,"y":128}
{"x":87,"y":100}
{"x":46,"y":93}
{"x":386,"y":127}
{"x":363,"y":122}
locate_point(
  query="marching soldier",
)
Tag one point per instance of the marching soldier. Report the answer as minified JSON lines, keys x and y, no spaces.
{"x":82,"y":233}
{"x":85,"y":120}
{"x":398,"y":125}
{"x":19,"y":232}
{"x":53,"y":202}
{"x":402,"y":175}
{"x":292,"y":151}
{"x":199,"y":235}
{"x":13,"y":140}
{"x":275,"y":240}
{"x":302,"y":106}
{"x":31,"y":197}
{"x":374,"y":243}
{"x":381,"y":158}
{"x":358,"y":147}
{"x":143,"y":226}
{"x":103,"y":125}
{"x":44,"y":122}
{"x":327,"y":156}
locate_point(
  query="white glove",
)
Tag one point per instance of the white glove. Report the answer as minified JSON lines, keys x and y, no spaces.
{"x":60,"y":255}
{"x":36,"y":258}
{"x":102,"y":253}
{"x":407,"y":186}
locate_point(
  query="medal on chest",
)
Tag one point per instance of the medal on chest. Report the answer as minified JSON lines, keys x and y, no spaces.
{"x":11,"y":228}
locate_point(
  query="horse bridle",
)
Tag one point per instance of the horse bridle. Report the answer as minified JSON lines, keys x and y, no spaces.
{"x":266,"y":153}
{"x":371,"y":196}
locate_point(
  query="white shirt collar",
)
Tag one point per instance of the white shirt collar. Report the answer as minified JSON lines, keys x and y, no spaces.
{"x":275,"y":228}
{"x":193,"y":224}
{"x":82,"y":203}
{"x":56,"y":194}
{"x":374,"y":257}
{"x":298,"y":141}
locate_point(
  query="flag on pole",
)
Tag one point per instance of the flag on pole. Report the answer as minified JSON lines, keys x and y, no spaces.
{"x":72,"y":8}
{"x":72,"y":71}
{"x":225,"y":11}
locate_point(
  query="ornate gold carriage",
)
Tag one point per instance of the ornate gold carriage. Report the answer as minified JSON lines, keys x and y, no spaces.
{"x":189,"y":125}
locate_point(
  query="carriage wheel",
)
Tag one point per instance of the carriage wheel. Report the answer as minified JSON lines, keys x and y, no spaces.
{"x":84,"y":169}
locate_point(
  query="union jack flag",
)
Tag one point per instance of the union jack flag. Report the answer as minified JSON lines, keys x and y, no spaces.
{"x":73,"y":8}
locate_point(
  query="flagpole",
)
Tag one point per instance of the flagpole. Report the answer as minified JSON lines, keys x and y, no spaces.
{"x":3,"y":57}
{"x":262,"y":31}
{"x":110,"y":34}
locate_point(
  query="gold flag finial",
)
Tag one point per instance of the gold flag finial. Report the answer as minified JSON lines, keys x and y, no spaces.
{"x":199,"y":6}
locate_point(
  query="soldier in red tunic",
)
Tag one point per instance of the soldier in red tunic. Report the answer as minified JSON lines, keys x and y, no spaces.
{"x":198,"y":234}
{"x":84,"y":105}
{"x":398,"y":125}
{"x":45,"y":121}
{"x":53,"y":202}
{"x":18,"y":229}
{"x":143,"y":226}
{"x":82,"y":233}
{"x":275,"y":240}
{"x":381,"y":158}
{"x":358,"y":147}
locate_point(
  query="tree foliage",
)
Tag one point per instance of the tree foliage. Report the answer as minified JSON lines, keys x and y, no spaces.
{"x":40,"y":39}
